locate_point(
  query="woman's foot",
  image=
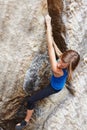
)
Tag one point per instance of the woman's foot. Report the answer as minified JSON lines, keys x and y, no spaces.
{"x":21,"y":125}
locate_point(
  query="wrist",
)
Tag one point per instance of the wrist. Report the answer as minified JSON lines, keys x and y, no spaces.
{"x":48,"y":23}
{"x":49,"y":26}
{"x":49,"y":29}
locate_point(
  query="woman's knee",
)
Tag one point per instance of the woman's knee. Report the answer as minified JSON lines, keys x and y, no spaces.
{"x":30,"y":104}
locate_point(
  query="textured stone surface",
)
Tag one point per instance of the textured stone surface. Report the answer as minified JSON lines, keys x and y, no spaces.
{"x":23,"y":56}
{"x":72,"y":114}
{"x":22,"y":36}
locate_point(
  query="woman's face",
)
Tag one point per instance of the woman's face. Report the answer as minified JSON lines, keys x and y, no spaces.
{"x":62,"y":64}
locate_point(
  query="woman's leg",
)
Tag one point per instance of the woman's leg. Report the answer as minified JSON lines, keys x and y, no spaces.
{"x":28,"y":115}
{"x":45,"y":92}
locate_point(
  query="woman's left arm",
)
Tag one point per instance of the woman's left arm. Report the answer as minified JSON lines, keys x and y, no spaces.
{"x":58,"y":52}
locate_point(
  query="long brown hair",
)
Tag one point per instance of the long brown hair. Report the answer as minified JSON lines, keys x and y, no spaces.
{"x":72,"y":57}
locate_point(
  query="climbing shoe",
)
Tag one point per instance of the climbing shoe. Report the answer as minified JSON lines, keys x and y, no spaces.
{"x":21,"y":125}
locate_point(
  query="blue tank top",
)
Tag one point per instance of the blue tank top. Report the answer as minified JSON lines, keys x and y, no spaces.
{"x":59,"y":82}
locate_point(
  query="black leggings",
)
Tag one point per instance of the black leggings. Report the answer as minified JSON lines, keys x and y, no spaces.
{"x":45,"y":92}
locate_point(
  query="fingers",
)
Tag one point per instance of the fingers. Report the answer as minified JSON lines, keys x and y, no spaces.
{"x":48,"y":22}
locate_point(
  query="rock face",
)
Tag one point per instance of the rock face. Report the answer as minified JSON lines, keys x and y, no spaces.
{"x":24,"y":63}
{"x":22,"y":36}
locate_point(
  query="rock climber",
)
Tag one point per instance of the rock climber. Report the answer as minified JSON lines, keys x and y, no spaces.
{"x":62,"y":70}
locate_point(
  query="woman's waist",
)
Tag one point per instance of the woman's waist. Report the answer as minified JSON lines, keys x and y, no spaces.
{"x":57,"y":86}
{"x":55,"y":79}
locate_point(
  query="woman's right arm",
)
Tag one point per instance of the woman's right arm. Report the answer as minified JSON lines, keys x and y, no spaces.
{"x":57,"y":50}
{"x":51,"y":50}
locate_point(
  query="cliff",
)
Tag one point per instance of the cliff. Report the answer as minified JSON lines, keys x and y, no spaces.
{"x":25,"y":67}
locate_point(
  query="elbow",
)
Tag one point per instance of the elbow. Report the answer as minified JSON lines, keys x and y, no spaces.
{"x":54,"y":69}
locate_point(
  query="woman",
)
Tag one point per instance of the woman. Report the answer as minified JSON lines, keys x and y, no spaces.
{"x":62,"y":70}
